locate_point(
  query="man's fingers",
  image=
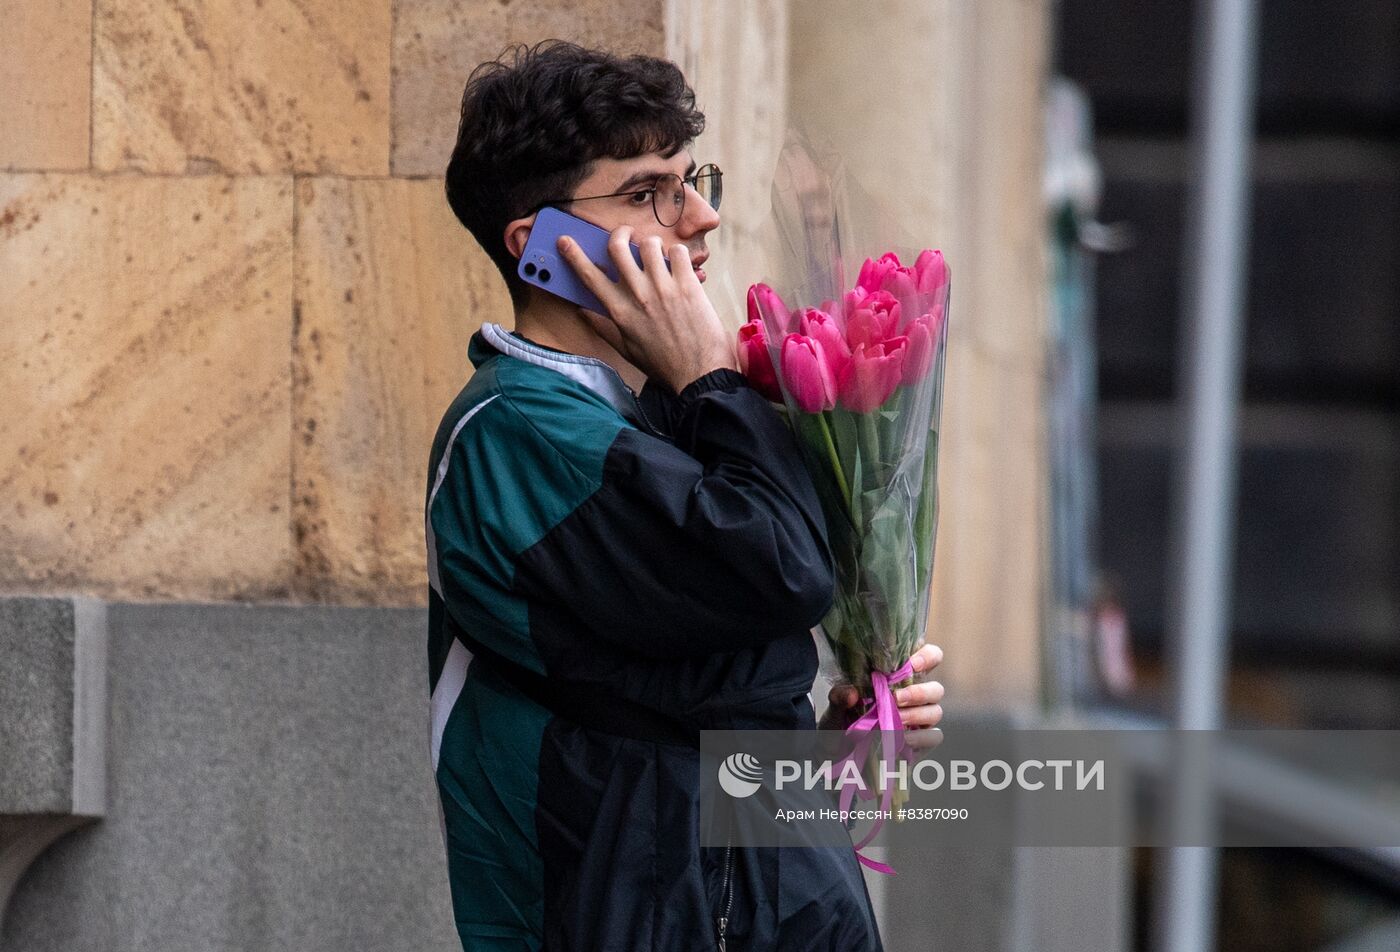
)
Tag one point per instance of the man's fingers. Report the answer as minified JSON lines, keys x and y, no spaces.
{"x":681,"y":271}
{"x":631,"y":276}
{"x":652,"y":284}
{"x":925,"y":715}
{"x":593,"y":278}
{"x":929,"y":692}
{"x":926,"y":658}
{"x":924,"y":738}
{"x":843,"y":696}
{"x":654,"y":260}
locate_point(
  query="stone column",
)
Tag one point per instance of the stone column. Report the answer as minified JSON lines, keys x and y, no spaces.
{"x":936,"y":105}
{"x":735,"y":54}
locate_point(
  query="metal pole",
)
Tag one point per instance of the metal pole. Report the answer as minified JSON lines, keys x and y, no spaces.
{"x":1214,"y":266}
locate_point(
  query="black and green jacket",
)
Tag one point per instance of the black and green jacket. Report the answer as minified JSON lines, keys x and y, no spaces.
{"x":663,"y":552}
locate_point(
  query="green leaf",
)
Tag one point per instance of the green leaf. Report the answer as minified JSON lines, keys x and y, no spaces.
{"x":857,"y":497}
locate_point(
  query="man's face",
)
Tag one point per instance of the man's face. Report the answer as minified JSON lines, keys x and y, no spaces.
{"x":622,"y":175}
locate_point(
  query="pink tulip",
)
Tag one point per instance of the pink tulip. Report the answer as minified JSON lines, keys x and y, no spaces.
{"x":756,"y":363}
{"x":900,"y":283}
{"x":923,"y":335}
{"x":873,"y":374}
{"x":807,"y":375}
{"x":852,"y":299}
{"x":754,"y":313}
{"x":928,"y":276}
{"x":875,"y":319}
{"x":764,"y":303}
{"x":873,"y":273}
{"x":822,"y":327}
{"x":930,"y":271}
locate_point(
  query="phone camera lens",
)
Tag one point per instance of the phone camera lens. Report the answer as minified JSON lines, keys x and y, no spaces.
{"x":544,"y":274}
{"x":530,"y":268}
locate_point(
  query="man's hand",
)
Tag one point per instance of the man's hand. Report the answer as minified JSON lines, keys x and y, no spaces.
{"x":919,"y":707}
{"x":659,"y":320}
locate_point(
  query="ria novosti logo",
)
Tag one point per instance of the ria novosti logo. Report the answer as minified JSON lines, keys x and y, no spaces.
{"x":740,"y":775}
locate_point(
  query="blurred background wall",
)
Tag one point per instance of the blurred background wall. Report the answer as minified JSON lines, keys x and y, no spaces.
{"x":1317,"y":594}
{"x":1313,"y":635}
{"x":233,"y":306}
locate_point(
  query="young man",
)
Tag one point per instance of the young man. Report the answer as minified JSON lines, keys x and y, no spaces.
{"x":623,"y":550}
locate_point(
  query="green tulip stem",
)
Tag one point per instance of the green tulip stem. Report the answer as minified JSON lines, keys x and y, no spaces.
{"x":835,"y":460}
{"x":868,"y":435}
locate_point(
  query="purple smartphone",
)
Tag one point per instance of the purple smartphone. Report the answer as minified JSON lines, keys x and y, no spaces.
{"x":541,"y":264}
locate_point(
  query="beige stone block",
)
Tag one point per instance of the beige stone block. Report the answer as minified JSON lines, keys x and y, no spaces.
{"x":45,"y":83}
{"x":145,"y":344}
{"x":267,"y":86}
{"x":437,"y":43}
{"x":390,"y":287}
{"x":734,"y":53}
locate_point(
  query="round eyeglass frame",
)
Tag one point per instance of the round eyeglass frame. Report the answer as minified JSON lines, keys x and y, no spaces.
{"x":710,"y":169}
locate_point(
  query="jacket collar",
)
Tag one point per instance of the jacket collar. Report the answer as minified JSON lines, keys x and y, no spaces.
{"x":652,"y":410}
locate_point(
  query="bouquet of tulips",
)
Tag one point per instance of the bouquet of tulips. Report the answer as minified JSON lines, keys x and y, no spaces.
{"x":861,"y":378}
{"x":858,"y":367}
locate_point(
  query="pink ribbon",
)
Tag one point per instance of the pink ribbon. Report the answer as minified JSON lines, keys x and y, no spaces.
{"x":882,"y":714}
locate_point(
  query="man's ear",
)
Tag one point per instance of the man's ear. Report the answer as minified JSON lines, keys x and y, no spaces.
{"x":517,"y":234}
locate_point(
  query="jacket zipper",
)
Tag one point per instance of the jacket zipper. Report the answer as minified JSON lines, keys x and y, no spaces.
{"x":726,"y":892}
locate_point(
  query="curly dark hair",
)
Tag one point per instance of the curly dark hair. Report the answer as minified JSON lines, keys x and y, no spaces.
{"x":532,"y":128}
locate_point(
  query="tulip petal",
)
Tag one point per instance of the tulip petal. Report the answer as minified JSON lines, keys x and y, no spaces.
{"x":875,"y":320}
{"x":930,"y":271}
{"x":873,"y":374}
{"x":822,"y":327}
{"x":807,"y":375}
{"x":922,"y":337}
{"x":765,"y":304}
{"x":756,"y":363}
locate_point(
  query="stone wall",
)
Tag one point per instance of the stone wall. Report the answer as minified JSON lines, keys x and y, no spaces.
{"x":234,"y":299}
{"x":269,"y":786}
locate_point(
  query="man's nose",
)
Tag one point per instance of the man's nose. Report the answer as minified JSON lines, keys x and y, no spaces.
{"x":698,"y":215}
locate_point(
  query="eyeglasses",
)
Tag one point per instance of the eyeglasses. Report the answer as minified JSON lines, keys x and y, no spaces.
{"x":667,"y":194}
